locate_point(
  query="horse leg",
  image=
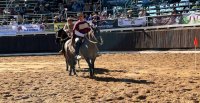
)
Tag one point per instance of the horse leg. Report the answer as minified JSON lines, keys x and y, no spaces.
{"x":67,"y":66}
{"x":90,"y":67}
{"x":74,"y":70}
{"x":79,"y":64}
{"x":70,"y":71}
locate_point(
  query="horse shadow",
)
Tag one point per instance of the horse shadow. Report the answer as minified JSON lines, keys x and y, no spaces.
{"x":125,"y":80}
{"x":113,"y":79}
{"x":100,"y":70}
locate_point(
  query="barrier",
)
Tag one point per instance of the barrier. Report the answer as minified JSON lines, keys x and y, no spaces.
{"x":113,"y":41}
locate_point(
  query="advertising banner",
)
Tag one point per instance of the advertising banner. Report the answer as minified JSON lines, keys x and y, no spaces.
{"x":166,"y":20}
{"x":126,"y":22}
{"x":58,"y":26}
{"x":30,"y":28}
{"x":190,"y":18}
{"x":8,"y":30}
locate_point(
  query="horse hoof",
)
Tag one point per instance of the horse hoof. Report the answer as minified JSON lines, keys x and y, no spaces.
{"x":91,"y":76}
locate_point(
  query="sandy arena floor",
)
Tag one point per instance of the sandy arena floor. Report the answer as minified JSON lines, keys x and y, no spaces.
{"x":120,"y":78}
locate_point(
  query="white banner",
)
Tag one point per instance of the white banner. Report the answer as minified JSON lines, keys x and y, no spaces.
{"x":30,"y":28}
{"x":8,"y":30}
{"x":124,"y":22}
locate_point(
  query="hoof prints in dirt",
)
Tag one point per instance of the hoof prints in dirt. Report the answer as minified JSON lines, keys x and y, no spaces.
{"x":160,"y":78}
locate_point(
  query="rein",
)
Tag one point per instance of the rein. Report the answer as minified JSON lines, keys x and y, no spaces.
{"x":94,"y":42}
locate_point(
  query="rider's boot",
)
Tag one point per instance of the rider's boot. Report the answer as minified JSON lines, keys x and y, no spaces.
{"x":77,"y":47}
{"x":62,"y":49}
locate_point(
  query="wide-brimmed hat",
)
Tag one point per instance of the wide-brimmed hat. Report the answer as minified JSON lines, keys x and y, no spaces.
{"x":129,"y":11}
{"x":69,"y":19}
{"x":55,"y":17}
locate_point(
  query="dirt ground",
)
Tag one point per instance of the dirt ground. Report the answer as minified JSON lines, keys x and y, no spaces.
{"x":120,"y":78}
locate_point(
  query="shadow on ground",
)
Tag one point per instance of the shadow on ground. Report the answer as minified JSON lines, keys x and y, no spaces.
{"x":113,"y":79}
{"x":126,"y":80}
{"x":100,"y":70}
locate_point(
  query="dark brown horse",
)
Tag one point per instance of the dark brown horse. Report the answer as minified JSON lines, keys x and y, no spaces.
{"x":88,"y":50}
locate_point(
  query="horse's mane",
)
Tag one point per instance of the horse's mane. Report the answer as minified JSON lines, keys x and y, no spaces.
{"x":91,"y":36}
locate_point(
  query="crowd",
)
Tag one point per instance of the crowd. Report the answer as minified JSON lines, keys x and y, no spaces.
{"x":91,"y":10}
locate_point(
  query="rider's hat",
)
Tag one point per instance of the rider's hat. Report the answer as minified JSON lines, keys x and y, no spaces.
{"x":69,"y":19}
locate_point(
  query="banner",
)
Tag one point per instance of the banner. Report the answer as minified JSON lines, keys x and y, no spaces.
{"x":126,"y":22}
{"x":190,"y":18}
{"x":8,"y":30}
{"x":58,"y":26}
{"x":166,"y":20}
{"x":30,"y":28}
{"x":176,"y":19}
{"x":106,"y":24}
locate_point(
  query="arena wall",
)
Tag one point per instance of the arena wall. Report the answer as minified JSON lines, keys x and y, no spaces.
{"x":113,"y":41}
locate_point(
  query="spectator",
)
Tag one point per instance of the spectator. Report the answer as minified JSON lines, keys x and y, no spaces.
{"x":174,"y":12}
{"x":77,"y":6}
{"x":13,"y":22}
{"x":39,"y":21}
{"x":87,"y":1}
{"x":4,"y":22}
{"x":25,"y":21}
{"x":87,"y":7}
{"x":33,"y":21}
{"x":1,"y":11}
{"x":41,"y":9}
{"x":19,"y":18}
{"x":56,"y":19}
{"x":90,"y":17}
{"x":103,"y":17}
{"x":122,"y":15}
{"x":42,"y":2}
{"x":185,"y":10}
{"x":110,"y":16}
{"x":47,"y":7}
{"x":17,"y":8}
{"x":45,"y":19}
{"x":96,"y":17}
{"x":142,"y":13}
{"x":86,"y":17}
{"x":36,"y":9}
{"x":61,"y":8}
{"x":130,"y":13}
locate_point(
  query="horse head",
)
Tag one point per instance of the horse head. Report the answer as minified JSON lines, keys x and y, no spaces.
{"x":97,"y":35}
{"x":61,"y":35}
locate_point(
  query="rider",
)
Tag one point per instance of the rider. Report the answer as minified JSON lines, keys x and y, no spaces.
{"x":68,"y":28}
{"x":81,"y":28}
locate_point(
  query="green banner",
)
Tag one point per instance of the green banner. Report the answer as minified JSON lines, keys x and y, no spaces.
{"x":193,"y":18}
{"x":58,"y":26}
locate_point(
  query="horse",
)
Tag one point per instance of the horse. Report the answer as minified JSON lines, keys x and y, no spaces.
{"x":88,"y":50}
{"x":61,"y":38}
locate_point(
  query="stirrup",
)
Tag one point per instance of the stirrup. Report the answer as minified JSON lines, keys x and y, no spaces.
{"x":78,"y":57}
{"x":61,"y":52}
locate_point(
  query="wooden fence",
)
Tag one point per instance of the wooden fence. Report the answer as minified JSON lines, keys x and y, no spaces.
{"x":113,"y":41}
